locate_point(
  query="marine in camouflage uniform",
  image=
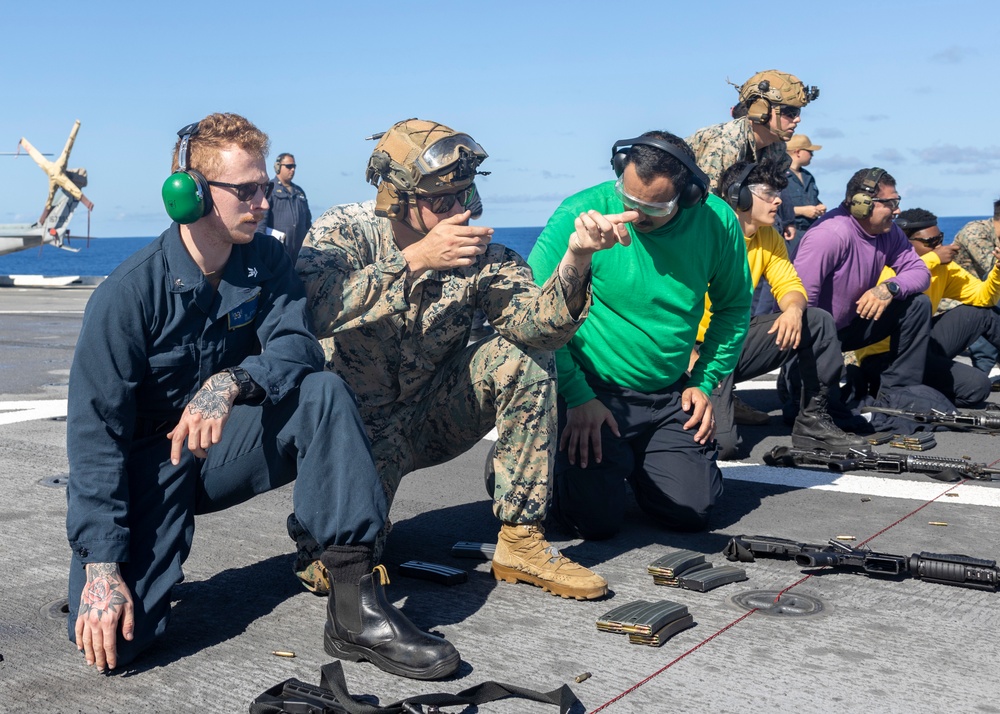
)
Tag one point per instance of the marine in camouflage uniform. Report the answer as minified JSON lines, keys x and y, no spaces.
{"x":719,"y":146}
{"x":393,"y":286}
{"x":975,"y":253}
{"x":424,"y":394}
{"x":764,"y":119}
{"x":975,"y":244}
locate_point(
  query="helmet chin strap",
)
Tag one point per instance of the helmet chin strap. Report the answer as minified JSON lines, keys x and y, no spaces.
{"x":413,"y":209}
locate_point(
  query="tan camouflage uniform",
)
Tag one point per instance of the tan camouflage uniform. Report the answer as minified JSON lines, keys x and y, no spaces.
{"x":425,"y":395}
{"x":975,"y":247}
{"x":719,"y":146}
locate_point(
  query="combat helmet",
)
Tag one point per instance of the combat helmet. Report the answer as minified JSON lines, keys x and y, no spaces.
{"x":770,"y":87}
{"x":422,"y":158}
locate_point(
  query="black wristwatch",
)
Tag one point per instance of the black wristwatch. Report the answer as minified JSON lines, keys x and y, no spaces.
{"x":250,"y":391}
{"x":892,"y":287}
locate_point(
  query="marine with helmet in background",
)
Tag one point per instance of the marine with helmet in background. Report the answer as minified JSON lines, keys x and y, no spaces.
{"x":393,"y":286}
{"x":765,"y":118}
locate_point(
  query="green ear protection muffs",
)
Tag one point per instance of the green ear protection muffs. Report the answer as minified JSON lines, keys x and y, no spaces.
{"x":862,"y":204}
{"x":186,"y":195}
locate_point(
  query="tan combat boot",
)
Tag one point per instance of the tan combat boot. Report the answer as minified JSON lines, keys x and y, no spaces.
{"x":523,"y":555}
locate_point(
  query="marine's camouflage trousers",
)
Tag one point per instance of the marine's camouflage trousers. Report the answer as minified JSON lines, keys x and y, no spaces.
{"x":491,"y":383}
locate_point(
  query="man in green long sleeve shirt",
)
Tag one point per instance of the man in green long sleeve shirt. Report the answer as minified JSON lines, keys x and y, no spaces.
{"x":627,"y":408}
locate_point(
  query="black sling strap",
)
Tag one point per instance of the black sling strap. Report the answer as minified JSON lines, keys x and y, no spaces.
{"x":331,"y":697}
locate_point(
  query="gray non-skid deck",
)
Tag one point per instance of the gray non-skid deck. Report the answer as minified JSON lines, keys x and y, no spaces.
{"x":878,"y":646}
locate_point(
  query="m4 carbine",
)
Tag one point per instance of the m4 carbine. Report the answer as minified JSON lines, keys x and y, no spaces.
{"x":940,"y":468}
{"x":961,"y":570}
{"x":980,"y":420}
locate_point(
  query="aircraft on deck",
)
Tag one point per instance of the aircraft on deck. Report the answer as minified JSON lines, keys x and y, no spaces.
{"x":64,"y":196}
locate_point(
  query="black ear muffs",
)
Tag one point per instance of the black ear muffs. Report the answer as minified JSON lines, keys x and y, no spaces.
{"x":186,"y":194}
{"x":738,"y":194}
{"x":277,"y":167}
{"x":695,"y":192}
{"x":862,"y":203}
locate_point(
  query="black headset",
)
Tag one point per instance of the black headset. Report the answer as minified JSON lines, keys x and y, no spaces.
{"x":277,"y":163}
{"x":694,"y":193}
{"x":186,"y":194}
{"x":738,"y":194}
{"x":862,"y":203}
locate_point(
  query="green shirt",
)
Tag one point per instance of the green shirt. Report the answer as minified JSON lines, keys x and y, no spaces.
{"x":648,"y":298}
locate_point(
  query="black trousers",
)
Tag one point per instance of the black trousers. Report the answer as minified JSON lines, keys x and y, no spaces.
{"x":907,"y":324}
{"x":314,"y":437}
{"x":820,"y":363}
{"x":951,"y":333}
{"x":675,"y":479}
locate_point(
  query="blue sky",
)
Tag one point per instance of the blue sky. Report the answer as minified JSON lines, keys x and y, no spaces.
{"x":545,"y":87}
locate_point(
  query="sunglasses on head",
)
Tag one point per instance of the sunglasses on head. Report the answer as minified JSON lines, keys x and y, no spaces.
{"x":932,"y":242}
{"x":442,"y":203}
{"x":246,"y":191}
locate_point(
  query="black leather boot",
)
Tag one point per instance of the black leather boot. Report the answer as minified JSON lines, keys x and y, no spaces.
{"x":814,"y":429}
{"x":362,"y":624}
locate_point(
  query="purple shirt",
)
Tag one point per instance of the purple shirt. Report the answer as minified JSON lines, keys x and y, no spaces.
{"x":838,"y":262}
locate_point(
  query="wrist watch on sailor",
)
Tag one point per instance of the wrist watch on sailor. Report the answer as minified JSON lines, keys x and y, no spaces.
{"x":248,"y":388}
{"x":892,"y":287}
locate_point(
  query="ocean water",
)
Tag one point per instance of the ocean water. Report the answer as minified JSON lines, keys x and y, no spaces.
{"x":105,"y":254}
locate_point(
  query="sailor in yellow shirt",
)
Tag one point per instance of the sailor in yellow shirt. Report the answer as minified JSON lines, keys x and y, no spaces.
{"x":753,"y":191}
{"x":951,"y":331}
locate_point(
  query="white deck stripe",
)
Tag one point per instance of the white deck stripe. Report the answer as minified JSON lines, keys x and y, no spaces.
{"x":14,"y":412}
{"x":970,"y":494}
{"x":862,"y":485}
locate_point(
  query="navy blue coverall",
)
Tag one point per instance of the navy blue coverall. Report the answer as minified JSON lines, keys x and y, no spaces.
{"x":152,"y":334}
{"x":289,"y":213}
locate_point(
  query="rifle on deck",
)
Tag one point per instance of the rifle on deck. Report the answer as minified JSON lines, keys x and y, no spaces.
{"x":961,"y":570}
{"x":982,"y":420}
{"x":939,"y":468}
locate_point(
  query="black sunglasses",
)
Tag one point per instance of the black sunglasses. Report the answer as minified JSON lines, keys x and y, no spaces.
{"x":789,"y":111}
{"x":246,"y":191}
{"x":289,"y":166}
{"x":932,"y":242}
{"x":444,"y":202}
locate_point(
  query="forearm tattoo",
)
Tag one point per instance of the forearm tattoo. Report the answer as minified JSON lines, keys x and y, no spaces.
{"x":214,"y":399}
{"x":102,"y":593}
{"x":574,"y":285}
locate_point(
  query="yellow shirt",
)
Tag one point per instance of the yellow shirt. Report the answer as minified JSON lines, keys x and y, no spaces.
{"x":768,"y":257}
{"x":948,"y":280}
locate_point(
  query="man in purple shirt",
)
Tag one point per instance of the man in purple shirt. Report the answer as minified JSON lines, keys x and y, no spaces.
{"x":839,"y":261}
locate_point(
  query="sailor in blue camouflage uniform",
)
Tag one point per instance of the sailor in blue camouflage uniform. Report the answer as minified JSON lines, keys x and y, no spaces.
{"x":393,"y":286}
{"x":198,"y":384}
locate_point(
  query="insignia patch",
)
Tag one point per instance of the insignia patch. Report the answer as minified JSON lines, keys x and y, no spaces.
{"x":244,"y":314}
{"x":251,"y":272}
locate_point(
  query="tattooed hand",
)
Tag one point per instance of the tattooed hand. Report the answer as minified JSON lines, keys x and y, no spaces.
{"x":594,"y":232}
{"x":105,"y":601}
{"x":203,"y":418}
